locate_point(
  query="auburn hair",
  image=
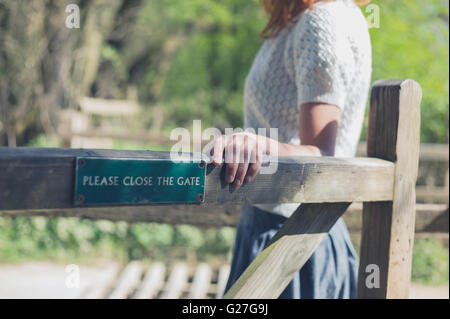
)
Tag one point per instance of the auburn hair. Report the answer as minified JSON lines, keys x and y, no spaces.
{"x":282,"y":12}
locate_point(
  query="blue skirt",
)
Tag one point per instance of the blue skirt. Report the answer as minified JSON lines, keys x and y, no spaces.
{"x":331,"y":272}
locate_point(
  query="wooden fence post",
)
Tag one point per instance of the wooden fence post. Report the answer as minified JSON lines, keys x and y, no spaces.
{"x":388,"y":227}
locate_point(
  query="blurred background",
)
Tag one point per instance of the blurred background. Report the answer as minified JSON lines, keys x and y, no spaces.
{"x":136,"y":69}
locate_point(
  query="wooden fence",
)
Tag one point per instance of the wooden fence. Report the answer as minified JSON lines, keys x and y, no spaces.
{"x":78,"y":131}
{"x":41,"y":181}
{"x":156,"y":281}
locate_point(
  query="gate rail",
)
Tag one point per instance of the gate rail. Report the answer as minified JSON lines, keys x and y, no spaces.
{"x":41,"y":181}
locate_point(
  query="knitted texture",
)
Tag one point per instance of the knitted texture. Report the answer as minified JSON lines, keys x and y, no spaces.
{"x":325,"y":56}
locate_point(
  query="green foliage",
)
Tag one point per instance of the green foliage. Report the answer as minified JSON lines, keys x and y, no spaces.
{"x":24,"y":238}
{"x":412,"y":42}
{"x":430,"y":262}
{"x":64,"y":239}
{"x":129,"y":145}
{"x":206,"y":75}
{"x":189,"y":59}
{"x":43,"y":140}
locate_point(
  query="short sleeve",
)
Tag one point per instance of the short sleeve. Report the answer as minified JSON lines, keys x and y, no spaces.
{"x":323,"y":58}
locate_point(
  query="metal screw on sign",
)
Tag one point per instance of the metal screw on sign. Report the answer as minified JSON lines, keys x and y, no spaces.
{"x":80,"y":199}
{"x":201,"y":164}
{"x":81,"y":162}
{"x":200,"y":197}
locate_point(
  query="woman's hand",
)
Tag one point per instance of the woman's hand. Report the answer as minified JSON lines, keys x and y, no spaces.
{"x":318,"y":125}
{"x":243,"y":156}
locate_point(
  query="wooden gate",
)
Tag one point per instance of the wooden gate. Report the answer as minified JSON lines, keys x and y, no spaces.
{"x":39,"y":181}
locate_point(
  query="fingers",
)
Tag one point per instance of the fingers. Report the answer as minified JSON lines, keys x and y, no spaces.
{"x":243,"y":157}
{"x":218,"y":148}
{"x":232,"y":158}
{"x":255,"y":165}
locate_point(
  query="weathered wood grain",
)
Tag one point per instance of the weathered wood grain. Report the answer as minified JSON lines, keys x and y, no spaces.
{"x":44,"y":179}
{"x":128,"y":281}
{"x":200,"y":215}
{"x":177,"y":282}
{"x":152,"y":283}
{"x":432,"y":193}
{"x":273,"y":269}
{"x":222,"y":278}
{"x":111,"y":107}
{"x":200,"y":282}
{"x":430,"y":218}
{"x":388,"y":227}
{"x":432,"y":152}
{"x":433,"y":224}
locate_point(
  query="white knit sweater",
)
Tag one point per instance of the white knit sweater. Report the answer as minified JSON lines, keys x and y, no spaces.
{"x":323,"y":57}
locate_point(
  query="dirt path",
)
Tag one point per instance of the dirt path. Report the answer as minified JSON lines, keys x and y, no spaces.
{"x":418,"y":291}
{"x":50,"y":280}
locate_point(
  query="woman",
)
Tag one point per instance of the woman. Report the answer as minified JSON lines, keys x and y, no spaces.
{"x":310,"y":79}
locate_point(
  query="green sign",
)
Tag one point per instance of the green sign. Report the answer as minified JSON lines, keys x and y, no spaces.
{"x":101,"y":181}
